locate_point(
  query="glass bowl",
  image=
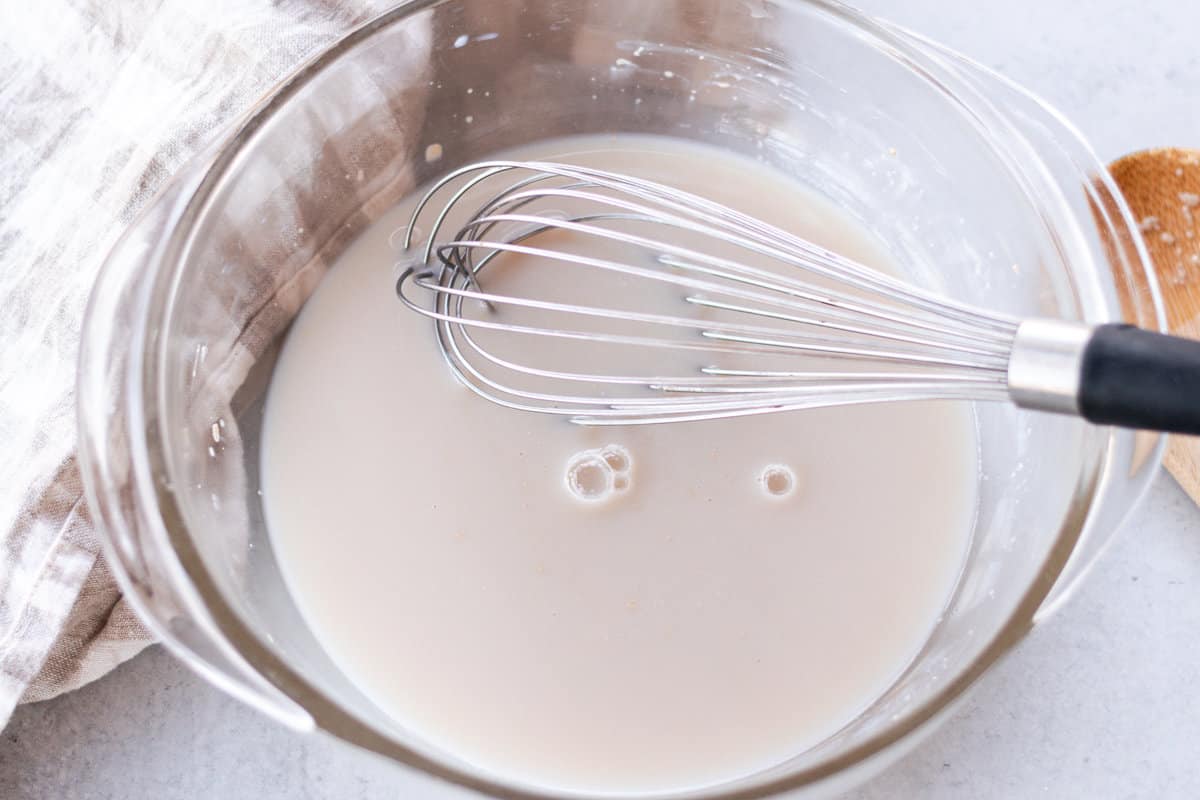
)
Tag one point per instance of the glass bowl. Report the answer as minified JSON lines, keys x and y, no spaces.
{"x":975,"y":187}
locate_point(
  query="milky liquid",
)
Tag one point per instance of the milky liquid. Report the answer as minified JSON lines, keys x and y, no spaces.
{"x":604,"y":610}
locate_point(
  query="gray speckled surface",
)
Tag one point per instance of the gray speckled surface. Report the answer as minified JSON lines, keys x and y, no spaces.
{"x":1103,"y":701}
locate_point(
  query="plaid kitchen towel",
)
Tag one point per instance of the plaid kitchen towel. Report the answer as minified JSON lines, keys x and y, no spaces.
{"x":100,"y":103}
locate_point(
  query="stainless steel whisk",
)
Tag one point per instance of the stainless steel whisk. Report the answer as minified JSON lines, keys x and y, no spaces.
{"x":896,"y":341}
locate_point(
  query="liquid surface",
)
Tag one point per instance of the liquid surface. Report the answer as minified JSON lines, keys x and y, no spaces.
{"x":625,"y":609}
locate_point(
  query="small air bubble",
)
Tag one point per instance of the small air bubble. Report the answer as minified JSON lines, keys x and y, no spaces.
{"x":595,"y":475}
{"x":616,"y":457}
{"x":461,"y":41}
{"x":589,"y":478}
{"x":396,"y":239}
{"x":778,"y":480}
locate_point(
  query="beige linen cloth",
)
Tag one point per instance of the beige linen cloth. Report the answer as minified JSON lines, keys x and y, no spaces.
{"x":100,"y":102}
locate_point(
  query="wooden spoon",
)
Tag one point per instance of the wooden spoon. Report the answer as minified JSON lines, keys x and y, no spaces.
{"x":1163,"y":189}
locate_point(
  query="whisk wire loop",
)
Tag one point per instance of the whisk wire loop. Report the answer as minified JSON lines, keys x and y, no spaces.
{"x":749,"y":290}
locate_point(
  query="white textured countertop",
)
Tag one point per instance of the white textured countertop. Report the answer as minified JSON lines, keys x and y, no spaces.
{"x":1101,"y":702}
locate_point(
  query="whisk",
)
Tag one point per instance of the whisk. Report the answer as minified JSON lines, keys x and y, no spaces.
{"x":782,"y":323}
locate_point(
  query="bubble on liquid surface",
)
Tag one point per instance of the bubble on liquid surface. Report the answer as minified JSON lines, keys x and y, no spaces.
{"x":616,"y":457}
{"x":596,"y":475}
{"x":589,"y":477}
{"x":778,"y":480}
{"x":397,"y":237}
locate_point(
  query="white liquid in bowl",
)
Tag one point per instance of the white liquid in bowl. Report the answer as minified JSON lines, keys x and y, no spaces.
{"x":710,"y":601}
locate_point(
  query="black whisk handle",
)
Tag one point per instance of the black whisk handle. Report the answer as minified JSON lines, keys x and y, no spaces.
{"x":1135,"y":378}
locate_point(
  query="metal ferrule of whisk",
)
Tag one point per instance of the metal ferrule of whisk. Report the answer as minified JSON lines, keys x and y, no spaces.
{"x":780,"y":322}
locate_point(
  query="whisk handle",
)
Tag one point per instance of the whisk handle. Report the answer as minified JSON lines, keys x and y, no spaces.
{"x":1135,"y":378}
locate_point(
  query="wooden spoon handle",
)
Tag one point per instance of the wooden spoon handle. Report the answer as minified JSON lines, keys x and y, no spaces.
{"x":1162,"y":188}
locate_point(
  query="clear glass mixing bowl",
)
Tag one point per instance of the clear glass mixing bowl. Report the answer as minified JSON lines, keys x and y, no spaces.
{"x":975,"y":186}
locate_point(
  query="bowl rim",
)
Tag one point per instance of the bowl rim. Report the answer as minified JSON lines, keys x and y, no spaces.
{"x":329,"y":715}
